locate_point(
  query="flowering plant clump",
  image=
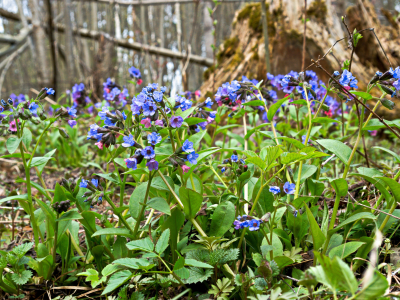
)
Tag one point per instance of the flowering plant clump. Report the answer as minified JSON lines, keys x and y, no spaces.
{"x":266,"y":189}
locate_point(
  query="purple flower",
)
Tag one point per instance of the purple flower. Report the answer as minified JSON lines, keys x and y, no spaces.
{"x":128,"y":141}
{"x":71,"y":123}
{"x":146,"y":122}
{"x":159,"y":123}
{"x":176,"y":121}
{"x":187,"y":146}
{"x":149,"y":109}
{"x":275,"y":190}
{"x":289,"y":188}
{"x":148,"y":152}
{"x":237,"y":224}
{"x":152,"y":165}
{"x":154,"y":138}
{"x":396,"y":73}
{"x":396,"y":85}
{"x":134,"y":72}
{"x":131,"y":163}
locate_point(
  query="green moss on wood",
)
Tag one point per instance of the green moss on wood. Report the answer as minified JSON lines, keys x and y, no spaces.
{"x":318,"y":10}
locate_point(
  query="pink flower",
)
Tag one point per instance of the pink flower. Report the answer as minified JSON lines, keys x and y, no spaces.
{"x":100,"y":145}
{"x":185,"y":168}
{"x":197,"y":93}
{"x":239,"y":102}
{"x":146,"y":122}
{"x":159,"y":123}
{"x":219,"y":103}
{"x":139,"y":81}
{"x":13,"y":126}
{"x":373,"y":132}
{"x":346,"y":87}
{"x":210,"y":120}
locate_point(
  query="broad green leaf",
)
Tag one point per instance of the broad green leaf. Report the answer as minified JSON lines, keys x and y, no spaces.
{"x":283,"y":261}
{"x":394,"y":186}
{"x":116,"y":280}
{"x":222,"y":219}
{"x":196,"y":263}
{"x":306,"y":172}
{"x":395,"y":155}
{"x":324,"y":120}
{"x":159,"y":184}
{"x":345,"y":250}
{"x":186,"y":113}
{"x":163,"y":242}
{"x":45,"y":160}
{"x":174,"y":223}
{"x":27,"y":137}
{"x":316,"y":232}
{"x":133,"y":263}
{"x":353,"y":218}
{"x":12,"y":144}
{"x":342,"y":151}
{"x":375,"y":288}
{"x":340,"y":186}
{"x":378,"y":183}
{"x":136,"y":198}
{"x":256,"y":161}
{"x":191,"y":201}
{"x":159,"y":204}
{"x":274,"y":108}
{"x":16,"y":197}
{"x":254,"y":103}
{"x":70,"y":215}
{"x":194,"y":120}
{"x":294,"y":142}
{"x":361,"y":94}
{"x":144,"y":244}
{"x":270,"y":155}
{"x":113,"y":231}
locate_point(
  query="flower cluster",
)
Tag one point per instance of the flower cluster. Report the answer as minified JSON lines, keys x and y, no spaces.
{"x":246,"y":221}
{"x":288,"y":188}
{"x":95,"y":193}
{"x":234,"y":162}
{"x":115,"y":95}
{"x":135,"y":73}
{"x":388,"y":80}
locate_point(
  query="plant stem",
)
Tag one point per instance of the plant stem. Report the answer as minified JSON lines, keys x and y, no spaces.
{"x":38,"y":141}
{"x":296,"y":193}
{"x":143,"y":208}
{"x":320,"y":106}
{"x":120,"y":216}
{"x":216,"y":174}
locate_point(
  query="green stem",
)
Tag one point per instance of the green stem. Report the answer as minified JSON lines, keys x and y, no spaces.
{"x":143,"y":208}
{"x":396,"y":177}
{"x":120,"y":216}
{"x":320,"y":106}
{"x":296,"y":193}
{"x":216,"y":174}
{"x":38,"y":141}
{"x":55,"y":240}
{"x":334,"y":212}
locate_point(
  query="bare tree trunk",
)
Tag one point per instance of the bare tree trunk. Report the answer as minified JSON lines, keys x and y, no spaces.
{"x":52,"y":44}
{"x":39,"y":37}
{"x":162,"y":45}
{"x":93,"y":26}
{"x":265,"y":32}
{"x":118,"y":35}
{"x":145,"y":41}
{"x":69,"y":61}
{"x":85,"y":47}
{"x":179,"y":32}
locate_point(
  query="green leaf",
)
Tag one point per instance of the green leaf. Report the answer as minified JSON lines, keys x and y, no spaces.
{"x":345,"y":250}
{"x":163,"y":242}
{"x":254,"y":103}
{"x":194,"y":120}
{"x":21,"y":278}
{"x":110,"y":177}
{"x":27,"y":137}
{"x":196,"y":263}
{"x":133,"y":263}
{"x":174,"y":223}
{"x":361,"y":94}
{"x":342,"y":151}
{"x":186,"y":113}
{"x":198,"y":275}
{"x":159,"y":184}
{"x":144,"y":244}
{"x":159,"y":204}
{"x":191,"y":201}
{"x":40,"y":162}
{"x":324,"y":120}
{"x":70,"y":215}
{"x":375,"y":288}
{"x":136,"y":198}
{"x":283,"y":261}
{"x":340,"y":186}
{"x":270,"y":154}
{"x":393,"y":185}
{"x":222,"y":219}
{"x":93,"y":276}
{"x":274,"y":108}
{"x":256,"y":161}
{"x":353,"y":218}
{"x":113,"y":231}
{"x":316,"y":232}
{"x":12,"y":144}
{"x":116,"y":280}
{"x":307,"y":171}
{"x":294,"y":142}
{"x":16,"y":197}
{"x":395,"y":155}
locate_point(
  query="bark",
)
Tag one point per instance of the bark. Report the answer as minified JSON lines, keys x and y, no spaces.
{"x":68,"y":43}
{"x":84,"y":44}
{"x":144,"y":41}
{"x":39,"y":39}
{"x":52,"y":45}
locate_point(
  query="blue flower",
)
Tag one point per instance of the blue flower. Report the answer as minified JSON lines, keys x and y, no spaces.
{"x":192,"y":157}
{"x":102,"y":113}
{"x":187,"y":146}
{"x":152,"y":165}
{"x":303,"y":139}
{"x":396,"y":73}
{"x":176,"y":121}
{"x":242,"y":161}
{"x":396,"y":85}
{"x":131,"y":163}
{"x":95,"y":182}
{"x":72,"y":112}
{"x":154,"y":138}
{"x":83,"y":183}
{"x":270,"y":76}
{"x":50,"y":91}
{"x":275,"y":190}
{"x":289,"y":188}
{"x":148,"y":152}
{"x":93,"y":132}
{"x":336,"y":73}
{"x":109,"y":122}
{"x":234,"y":158}
{"x":134,"y":72}
{"x":347,"y":79}
{"x":149,"y":109}
{"x":379,"y":74}
{"x":33,"y":108}
{"x":128,"y":141}
{"x":254,"y":224}
{"x":223,"y":169}
{"x":158,"y":96}
{"x":208,"y":102}
{"x":285,"y":81}
{"x":72,"y":123}
{"x":163,"y":89}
